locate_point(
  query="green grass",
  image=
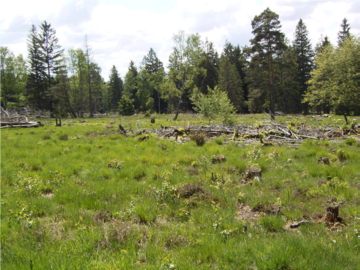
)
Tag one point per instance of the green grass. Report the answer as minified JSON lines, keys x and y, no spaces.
{"x":82,"y":196}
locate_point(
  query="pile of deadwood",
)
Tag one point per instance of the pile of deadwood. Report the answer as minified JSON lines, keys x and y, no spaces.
{"x":267,"y":133}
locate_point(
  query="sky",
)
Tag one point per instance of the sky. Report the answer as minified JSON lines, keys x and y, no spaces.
{"x":123,"y":30}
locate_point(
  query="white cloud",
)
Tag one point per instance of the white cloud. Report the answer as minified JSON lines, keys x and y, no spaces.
{"x":120,"y":31}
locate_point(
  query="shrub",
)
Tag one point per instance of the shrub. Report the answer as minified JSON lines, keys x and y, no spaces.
{"x":215,"y":104}
{"x":198,"y":138}
{"x":126,"y":107}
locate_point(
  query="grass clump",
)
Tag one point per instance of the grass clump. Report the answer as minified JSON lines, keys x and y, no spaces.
{"x":198,"y":138}
{"x":350,"y":141}
{"x":342,"y":155}
{"x":272,"y":223}
{"x":219,"y":141}
{"x":63,"y":137}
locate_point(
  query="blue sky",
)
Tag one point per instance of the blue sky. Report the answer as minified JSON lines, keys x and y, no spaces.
{"x":124,"y":30}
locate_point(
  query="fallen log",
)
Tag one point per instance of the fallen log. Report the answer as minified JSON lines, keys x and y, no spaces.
{"x":20,"y":124}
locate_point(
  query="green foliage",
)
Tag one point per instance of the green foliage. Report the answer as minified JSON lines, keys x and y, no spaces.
{"x":335,"y":80}
{"x":126,"y":107}
{"x":215,"y":104}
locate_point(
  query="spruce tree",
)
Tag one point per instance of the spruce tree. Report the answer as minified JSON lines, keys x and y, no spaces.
{"x":154,"y":67}
{"x":344,"y":33}
{"x":50,"y":55}
{"x":130,"y":85}
{"x":322,"y":44}
{"x":36,"y":83}
{"x":151,"y":62}
{"x":237,"y":57}
{"x":115,"y":88}
{"x":305,"y":56}
{"x":230,"y":83}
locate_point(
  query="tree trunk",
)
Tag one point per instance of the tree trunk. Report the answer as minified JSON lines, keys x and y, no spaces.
{"x":177,"y":111}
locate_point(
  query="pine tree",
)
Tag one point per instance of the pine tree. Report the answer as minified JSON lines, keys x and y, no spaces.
{"x":230,"y":83}
{"x":115,"y":88}
{"x":305,"y":56}
{"x":268,"y":41}
{"x":344,"y":33}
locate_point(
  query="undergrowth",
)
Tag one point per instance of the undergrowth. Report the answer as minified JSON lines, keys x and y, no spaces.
{"x":83,"y":196}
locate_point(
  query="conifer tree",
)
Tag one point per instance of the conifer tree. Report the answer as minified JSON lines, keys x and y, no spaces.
{"x":305,"y":56}
{"x":50,"y":55}
{"x":344,"y":33}
{"x":268,"y":42}
{"x":130,"y":85}
{"x":115,"y":88}
{"x":230,"y":83}
{"x":237,"y":57}
{"x":35,"y":84}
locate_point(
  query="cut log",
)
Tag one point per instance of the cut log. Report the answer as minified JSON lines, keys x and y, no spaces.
{"x":323,"y":160}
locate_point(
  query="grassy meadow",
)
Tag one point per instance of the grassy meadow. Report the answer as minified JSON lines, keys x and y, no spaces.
{"x":82,"y":196}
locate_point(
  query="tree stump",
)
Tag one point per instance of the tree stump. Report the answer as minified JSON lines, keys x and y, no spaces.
{"x":152,"y":120}
{"x":58,"y":121}
{"x":218,"y":159}
{"x":323,"y":160}
{"x":254,"y":173}
{"x":332,"y":214}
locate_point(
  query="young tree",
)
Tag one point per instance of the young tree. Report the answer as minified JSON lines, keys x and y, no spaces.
{"x":344,"y":33}
{"x":214,"y":104}
{"x":305,"y":57}
{"x":115,"y":88}
{"x":266,"y":44}
{"x":230,"y":83}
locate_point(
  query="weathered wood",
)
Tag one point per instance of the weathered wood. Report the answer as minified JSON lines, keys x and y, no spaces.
{"x":296,"y":225}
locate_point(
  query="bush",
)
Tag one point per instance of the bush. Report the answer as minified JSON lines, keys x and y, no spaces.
{"x":198,"y":138}
{"x":215,"y":104}
{"x":126,"y":107}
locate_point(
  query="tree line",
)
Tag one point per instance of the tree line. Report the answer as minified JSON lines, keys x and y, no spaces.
{"x":270,"y":75}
